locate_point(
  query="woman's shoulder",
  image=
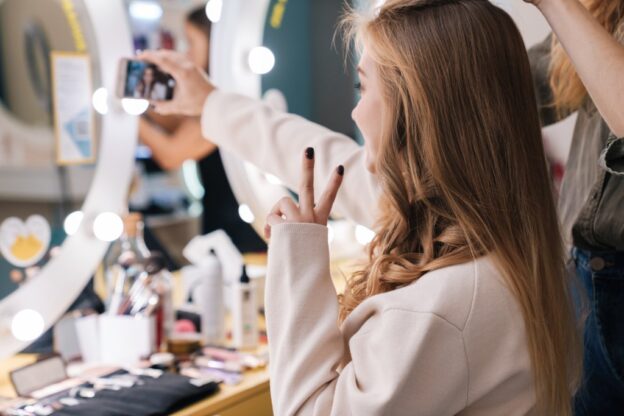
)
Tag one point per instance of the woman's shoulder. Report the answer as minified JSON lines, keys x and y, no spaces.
{"x":459,"y":294}
{"x":464,"y":308}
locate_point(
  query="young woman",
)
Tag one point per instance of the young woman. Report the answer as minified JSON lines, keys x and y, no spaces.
{"x":580,"y":69}
{"x":463,"y":306}
{"x":173,"y":140}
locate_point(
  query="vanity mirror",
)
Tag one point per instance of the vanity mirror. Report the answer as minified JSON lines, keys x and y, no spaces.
{"x":58,"y":62}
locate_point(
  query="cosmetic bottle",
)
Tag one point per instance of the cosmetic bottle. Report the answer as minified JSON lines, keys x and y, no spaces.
{"x":210,"y":300}
{"x":124,"y":261}
{"x":244,"y":313}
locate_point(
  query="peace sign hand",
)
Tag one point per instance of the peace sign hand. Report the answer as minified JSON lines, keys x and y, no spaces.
{"x":287,"y":211}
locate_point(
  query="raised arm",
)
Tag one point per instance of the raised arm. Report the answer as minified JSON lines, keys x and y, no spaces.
{"x":596,"y":55}
{"x":273,"y":141}
{"x":392,"y":358}
{"x":270,"y":139}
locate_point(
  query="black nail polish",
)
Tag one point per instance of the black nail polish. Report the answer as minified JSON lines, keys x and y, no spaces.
{"x":309,"y":152}
{"x":340,"y":170}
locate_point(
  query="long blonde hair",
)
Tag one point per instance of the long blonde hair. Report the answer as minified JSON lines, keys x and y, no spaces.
{"x":569,"y":93}
{"x":463,"y":171}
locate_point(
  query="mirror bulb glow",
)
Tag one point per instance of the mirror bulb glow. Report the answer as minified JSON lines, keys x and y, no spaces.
{"x":213,"y":10}
{"x":27,"y":325}
{"x":72,"y":222}
{"x":134,"y":106}
{"x":261,"y":60}
{"x":108,"y":226}
{"x":100,"y":100}
{"x":363,"y":235}
{"x":145,"y":10}
{"x":245,"y":213}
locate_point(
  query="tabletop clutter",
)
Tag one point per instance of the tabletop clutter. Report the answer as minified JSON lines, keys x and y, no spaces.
{"x":142,"y":351}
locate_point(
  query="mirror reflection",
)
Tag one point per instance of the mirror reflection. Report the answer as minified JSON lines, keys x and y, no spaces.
{"x":37,"y":190}
{"x":176,"y":144}
{"x":182,"y":187}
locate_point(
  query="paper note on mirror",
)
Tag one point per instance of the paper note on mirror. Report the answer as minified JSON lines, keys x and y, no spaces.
{"x":73,"y":114}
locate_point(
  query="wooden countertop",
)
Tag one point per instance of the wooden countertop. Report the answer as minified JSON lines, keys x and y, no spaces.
{"x":255,"y":383}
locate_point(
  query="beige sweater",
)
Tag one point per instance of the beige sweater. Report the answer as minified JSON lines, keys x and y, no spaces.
{"x":452,"y":342}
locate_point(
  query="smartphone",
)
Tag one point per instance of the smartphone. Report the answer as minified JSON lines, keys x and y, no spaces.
{"x":141,"y":79}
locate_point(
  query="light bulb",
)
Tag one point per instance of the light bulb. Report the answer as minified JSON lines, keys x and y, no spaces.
{"x":107,"y":226}
{"x":134,"y":106}
{"x":245,"y":213}
{"x":27,"y":325}
{"x":214,"y":9}
{"x":363,"y":235}
{"x":100,"y":100}
{"x":145,"y":10}
{"x":261,"y":60}
{"x":72,"y":222}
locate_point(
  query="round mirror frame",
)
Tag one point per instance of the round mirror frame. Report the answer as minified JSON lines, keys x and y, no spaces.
{"x":62,"y":279}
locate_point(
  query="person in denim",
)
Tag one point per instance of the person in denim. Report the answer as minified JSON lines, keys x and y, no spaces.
{"x":579,"y":68}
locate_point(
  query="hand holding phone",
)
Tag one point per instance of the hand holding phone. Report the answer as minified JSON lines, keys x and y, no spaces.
{"x":142,"y":79}
{"x":192,"y":83}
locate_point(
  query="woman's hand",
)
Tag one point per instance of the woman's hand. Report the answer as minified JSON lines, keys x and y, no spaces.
{"x":286,"y":211}
{"x":192,"y":83}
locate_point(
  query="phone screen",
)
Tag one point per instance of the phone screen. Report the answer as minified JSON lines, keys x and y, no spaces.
{"x":145,"y":80}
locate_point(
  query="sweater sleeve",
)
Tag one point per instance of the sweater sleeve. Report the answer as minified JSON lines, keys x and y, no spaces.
{"x":402,"y":362}
{"x":274,"y":141}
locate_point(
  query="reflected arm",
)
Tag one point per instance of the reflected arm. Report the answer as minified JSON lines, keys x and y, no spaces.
{"x":170,"y":150}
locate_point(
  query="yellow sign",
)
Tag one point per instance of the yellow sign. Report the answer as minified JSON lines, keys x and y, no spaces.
{"x":74,"y":24}
{"x":277,"y":14}
{"x":25,"y":248}
{"x":24,"y":243}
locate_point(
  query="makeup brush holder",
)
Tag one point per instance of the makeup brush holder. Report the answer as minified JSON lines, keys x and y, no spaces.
{"x":116,"y":339}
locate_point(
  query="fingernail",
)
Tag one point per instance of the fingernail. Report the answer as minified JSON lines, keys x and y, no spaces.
{"x":309,"y":152}
{"x":340,"y":170}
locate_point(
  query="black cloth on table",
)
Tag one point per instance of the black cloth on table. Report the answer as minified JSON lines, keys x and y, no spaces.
{"x":162,"y":396}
